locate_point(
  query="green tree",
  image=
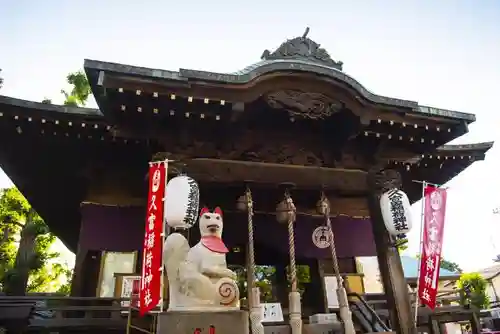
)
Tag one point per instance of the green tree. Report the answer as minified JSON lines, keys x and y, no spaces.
{"x":451,"y":266}
{"x":402,"y":244}
{"x":25,"y":254}
{"x":80,"y":89}
{"x":473,"y":286}
{"x":1,"y":79}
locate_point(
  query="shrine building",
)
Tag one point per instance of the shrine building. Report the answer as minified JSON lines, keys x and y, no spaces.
{"x":293,"y":119}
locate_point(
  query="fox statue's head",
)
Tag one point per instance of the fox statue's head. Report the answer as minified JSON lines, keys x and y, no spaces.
{"x":211,"y":222}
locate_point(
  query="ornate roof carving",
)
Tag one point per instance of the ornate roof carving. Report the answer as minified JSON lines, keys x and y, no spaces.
{"x":303,"y":48}
{"x":303,"y":104}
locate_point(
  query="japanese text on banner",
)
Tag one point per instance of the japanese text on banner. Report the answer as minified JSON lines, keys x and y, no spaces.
{"x":152,"y":248}
{"x":432,"y":243}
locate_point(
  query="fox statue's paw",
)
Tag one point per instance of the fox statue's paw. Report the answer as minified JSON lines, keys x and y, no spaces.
{"x":227,"y":292}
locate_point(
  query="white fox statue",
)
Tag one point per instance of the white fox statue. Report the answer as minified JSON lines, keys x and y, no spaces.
{"x":198,"y":277}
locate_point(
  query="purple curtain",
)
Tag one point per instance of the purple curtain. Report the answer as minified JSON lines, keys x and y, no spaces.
{"x":121,"y":229}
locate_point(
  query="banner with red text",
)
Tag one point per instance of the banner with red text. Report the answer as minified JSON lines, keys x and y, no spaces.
{"x":149,"y":295}
{"x":432,"y":243}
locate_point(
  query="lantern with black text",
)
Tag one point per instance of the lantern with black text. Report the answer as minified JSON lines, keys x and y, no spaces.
{"x":182,"y":202}
{"x":396,"y":212}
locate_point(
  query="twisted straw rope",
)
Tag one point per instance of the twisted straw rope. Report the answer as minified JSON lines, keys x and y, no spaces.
{"x":251,"y":250}
{"x":326,"y":213}
{"x":291,"y":241}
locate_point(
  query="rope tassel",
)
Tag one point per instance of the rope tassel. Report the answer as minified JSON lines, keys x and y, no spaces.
{"x":253,"y":291}
{"x":294,"y":296}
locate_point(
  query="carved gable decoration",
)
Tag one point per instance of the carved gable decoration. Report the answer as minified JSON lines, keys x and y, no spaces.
{"x":303,"y":104}
{"x":303,"y":48}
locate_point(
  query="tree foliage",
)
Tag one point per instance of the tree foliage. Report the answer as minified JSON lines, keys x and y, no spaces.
{"x":474,"y":290}
{"x":25,"y":256}
{"x":402,"y":244}
{"x":451,"y":266}
{"x":265,"y":280}
{"x":80,"y":89}
{"x":1,"y":79}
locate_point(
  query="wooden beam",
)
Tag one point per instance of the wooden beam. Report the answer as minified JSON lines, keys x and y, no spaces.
{"x":304,"y":177}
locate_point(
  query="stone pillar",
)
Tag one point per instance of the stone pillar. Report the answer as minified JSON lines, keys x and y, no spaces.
{"x":391,"y":269}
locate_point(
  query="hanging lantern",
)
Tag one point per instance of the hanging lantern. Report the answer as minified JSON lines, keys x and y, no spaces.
{"x":323,"y":205}
{"x":396,"y":212}
{"x":242,"y":203}
{"x":282,"y":212}
{"x":182,"y":202}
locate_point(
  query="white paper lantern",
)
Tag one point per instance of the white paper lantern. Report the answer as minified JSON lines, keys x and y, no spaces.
{"x":182,"y":201}
{"x":396,"y":212}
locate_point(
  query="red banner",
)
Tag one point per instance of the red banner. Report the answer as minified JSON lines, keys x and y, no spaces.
{"x":149,"y":295}
{"x":432,"y":243}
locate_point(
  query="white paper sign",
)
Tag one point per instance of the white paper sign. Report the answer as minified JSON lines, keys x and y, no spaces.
{"x":331,"y":291}
{"x":271,"y":312}
{"x":396,"y":212}
{"x":127,"y":285}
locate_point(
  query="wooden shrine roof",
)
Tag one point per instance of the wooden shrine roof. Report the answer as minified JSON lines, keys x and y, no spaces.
{"x":294,"y":80}
{"x":186,"y":77}
{"x":299,"y":55}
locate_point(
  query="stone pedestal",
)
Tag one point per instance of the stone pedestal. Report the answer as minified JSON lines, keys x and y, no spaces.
{"x":187,"y":322}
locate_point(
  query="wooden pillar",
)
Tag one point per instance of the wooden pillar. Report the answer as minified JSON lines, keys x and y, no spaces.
{"x":391,"y":269}
{"x":434,"y":325}
{"x":78,"y":273}
{"x":475,"y":323}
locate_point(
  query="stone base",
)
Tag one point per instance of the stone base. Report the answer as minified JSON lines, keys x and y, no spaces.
{"x":187,"y":322}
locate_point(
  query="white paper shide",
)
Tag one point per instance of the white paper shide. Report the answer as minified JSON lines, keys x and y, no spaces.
{"x":182,"y":196}
{"x":396,"y":212}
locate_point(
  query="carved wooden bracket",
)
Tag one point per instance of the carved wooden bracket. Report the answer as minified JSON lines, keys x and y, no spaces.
{"x":382,"y":180}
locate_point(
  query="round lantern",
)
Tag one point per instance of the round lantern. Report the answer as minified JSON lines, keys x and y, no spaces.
{"x":396,"y":212}
{"x":182,"y":201}
{"x":282,"y":212}
{"x":242,"y":203}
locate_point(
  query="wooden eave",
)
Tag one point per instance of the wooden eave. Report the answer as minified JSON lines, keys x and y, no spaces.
{"x":382,"y":116}
{"x":188,"y":78}
{"x":438,"y":167}
{"x":15,"y":112}
{"x":53,"y":126}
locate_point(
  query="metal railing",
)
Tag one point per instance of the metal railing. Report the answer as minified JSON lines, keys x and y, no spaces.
{"x":369,"y":314}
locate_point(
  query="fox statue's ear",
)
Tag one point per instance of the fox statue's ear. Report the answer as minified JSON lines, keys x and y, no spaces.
{"x":218,"y":211}
{"x":203,"y":211}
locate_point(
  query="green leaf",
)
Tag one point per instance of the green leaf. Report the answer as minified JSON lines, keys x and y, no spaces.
{"x":476,"y":285}
{"x":80,"y":89}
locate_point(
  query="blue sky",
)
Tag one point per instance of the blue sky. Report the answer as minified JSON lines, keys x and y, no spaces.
{"x":440,"y":53}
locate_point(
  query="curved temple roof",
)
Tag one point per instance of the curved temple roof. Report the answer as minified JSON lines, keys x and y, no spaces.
{"x":300,"y":54}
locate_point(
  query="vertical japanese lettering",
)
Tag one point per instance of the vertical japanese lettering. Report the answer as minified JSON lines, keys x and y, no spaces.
{"x":434,"y":214}
{"x":398,"y":211}
{"x":193,"y":203}
{"x":149,"y":294}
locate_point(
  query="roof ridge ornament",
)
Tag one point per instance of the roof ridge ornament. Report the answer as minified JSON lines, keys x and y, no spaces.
{"x":302,"y":48}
